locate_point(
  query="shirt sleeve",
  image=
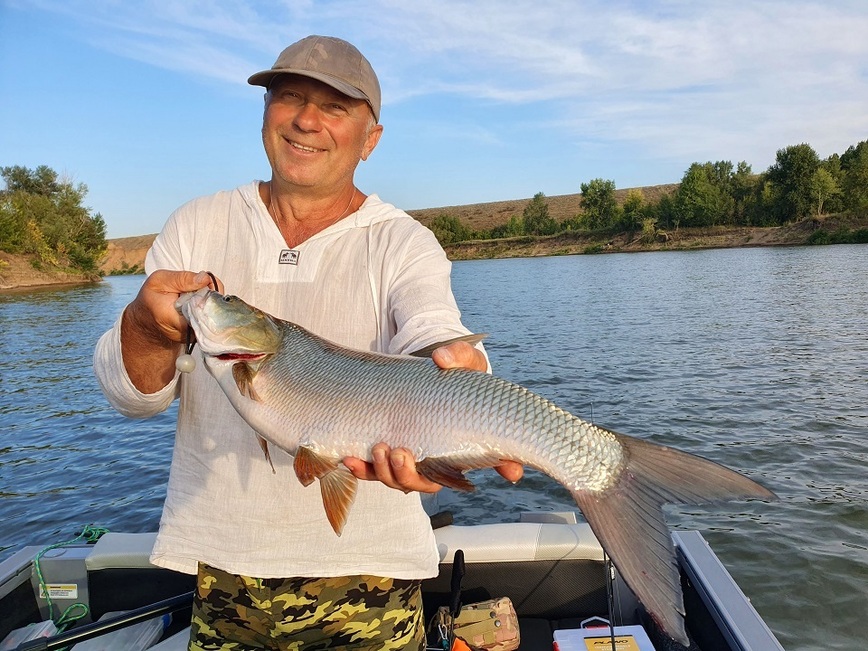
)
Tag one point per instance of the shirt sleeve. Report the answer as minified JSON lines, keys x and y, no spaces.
{"x":421,"y":304}
{"x":108,"y":366}
{"x":108,"y":363}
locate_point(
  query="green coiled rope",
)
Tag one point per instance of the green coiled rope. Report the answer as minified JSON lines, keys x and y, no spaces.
{"x":76,"y":611}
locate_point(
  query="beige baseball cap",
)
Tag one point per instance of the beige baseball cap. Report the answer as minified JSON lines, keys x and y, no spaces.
{"x":330,"y":60}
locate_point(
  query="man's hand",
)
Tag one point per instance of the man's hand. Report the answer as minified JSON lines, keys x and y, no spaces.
{"x":152,"y":329}
{"x":397,"y":468}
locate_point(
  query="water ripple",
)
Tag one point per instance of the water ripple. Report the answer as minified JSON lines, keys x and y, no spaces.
{"x":755,"y":358}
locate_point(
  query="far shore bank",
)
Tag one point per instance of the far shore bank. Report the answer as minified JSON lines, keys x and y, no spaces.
{"x":18,"y":273}
{"x":127,"y":255}
{"x":684,"y":239}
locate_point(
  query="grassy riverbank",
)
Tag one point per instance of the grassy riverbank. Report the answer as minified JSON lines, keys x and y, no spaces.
{"x":127,"y":255}
{"x":824,"y":230}
{"x":19,"y":272}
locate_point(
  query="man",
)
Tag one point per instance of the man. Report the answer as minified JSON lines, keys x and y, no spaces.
{"x":309,"y":247}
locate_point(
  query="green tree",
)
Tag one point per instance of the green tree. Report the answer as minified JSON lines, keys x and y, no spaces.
{"x":537,"y":220}
{"x":744,"y":187}
{"x":448,"y":229}
{"x":42,"y":180}
{"x":823,"y":186}
{"x":632,"y":211}
{"x":599,"y":207}
{"x":854,"y":182}
{"x":43,"y":215}
{"x":705,"y":196}
{"x":512,"y":228}
{"x":663,"y":212}
{"x":791,"y":178}
{"x":835,"y":202}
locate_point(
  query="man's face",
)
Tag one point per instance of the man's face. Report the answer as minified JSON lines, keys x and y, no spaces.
{"x":315,"y":136}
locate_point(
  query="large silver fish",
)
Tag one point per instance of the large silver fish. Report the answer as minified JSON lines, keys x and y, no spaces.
{"x":321,"y":402}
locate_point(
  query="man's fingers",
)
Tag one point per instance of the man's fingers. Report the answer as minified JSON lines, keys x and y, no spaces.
{"x":360,"y":468}
{"x":403,"y":468}
{"x":510,"y":470}
{"x":165,"y":281}
{"x":395,"y":468}
{"x":460,"y":354}
{"x":154,"y":309}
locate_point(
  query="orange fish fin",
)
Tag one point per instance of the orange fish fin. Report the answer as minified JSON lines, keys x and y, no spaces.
{"x":337,"y":484}
{"x":309,"y":465}
{"x":243,"y":376}
{"x":338,"y":490}
{"x":449,"y":472}
{"x":264,"y":445}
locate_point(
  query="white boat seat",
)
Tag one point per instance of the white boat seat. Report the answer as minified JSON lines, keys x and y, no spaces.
{"x":518,"y":541}
{"x":121,"y":550}
{"x":501,"y":542}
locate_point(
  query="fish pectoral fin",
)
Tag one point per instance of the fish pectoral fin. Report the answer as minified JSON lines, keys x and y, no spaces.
{"x":449,"y":471}
{"x":243,"y":376}
{"x":264,"y":445}
{"x":337,"y":484}
{"x":471,"y":339}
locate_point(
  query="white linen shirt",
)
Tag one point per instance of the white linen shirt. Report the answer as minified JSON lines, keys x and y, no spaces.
{"x":375,"y":280}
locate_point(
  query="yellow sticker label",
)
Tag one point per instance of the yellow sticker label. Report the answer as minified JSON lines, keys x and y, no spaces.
{"x":60,"y":591}
{"x":622,"y":643}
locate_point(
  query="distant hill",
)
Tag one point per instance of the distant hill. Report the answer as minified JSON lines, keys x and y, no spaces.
{"x":126,"y":254}
{"x":484,"y":216}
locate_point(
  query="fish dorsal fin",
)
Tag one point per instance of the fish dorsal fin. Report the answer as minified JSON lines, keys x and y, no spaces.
{"x":471,"y":339}
{"x":337,"y":484}
{"x":243,"y":376}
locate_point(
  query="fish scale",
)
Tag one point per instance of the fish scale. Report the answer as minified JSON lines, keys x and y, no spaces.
{"x":321,"y":402}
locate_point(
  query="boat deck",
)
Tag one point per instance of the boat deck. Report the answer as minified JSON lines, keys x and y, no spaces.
{"x":554,"y":572}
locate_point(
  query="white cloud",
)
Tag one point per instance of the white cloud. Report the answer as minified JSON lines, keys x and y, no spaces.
{"x":676,"y":79}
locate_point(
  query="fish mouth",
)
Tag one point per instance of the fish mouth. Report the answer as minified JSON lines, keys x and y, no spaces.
{"x":240,"y":357}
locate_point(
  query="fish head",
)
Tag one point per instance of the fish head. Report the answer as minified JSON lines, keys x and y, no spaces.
{"x":228,"y":329}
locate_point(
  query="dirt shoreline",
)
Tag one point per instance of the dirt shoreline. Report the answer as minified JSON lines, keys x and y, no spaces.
{"x":127,"y":255}
{"x":17,"y":274}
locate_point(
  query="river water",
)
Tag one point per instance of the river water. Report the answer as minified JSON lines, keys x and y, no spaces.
{"x":756,"y":358}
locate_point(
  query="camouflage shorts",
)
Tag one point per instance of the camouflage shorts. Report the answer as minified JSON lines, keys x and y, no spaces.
{"x":237,"y":613}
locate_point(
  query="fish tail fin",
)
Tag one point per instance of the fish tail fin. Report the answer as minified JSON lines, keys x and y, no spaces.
{"x":628,"y":519}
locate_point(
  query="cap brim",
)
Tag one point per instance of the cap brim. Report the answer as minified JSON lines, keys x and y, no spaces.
{"x":265,"y":78}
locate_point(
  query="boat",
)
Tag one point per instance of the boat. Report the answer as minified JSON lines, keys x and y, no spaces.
{"x":549,"y":564}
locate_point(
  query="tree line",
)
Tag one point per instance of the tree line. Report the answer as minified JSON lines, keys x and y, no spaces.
{"x":798,"y":185}
{"x":42,"y":214}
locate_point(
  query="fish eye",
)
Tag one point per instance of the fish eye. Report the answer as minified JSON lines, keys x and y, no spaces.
{"x":228,"y":299}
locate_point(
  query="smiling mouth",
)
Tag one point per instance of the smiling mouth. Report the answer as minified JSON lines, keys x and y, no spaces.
{"x":300,"y":147}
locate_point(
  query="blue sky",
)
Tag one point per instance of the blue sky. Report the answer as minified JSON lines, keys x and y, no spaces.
{"x":484,"y":100}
